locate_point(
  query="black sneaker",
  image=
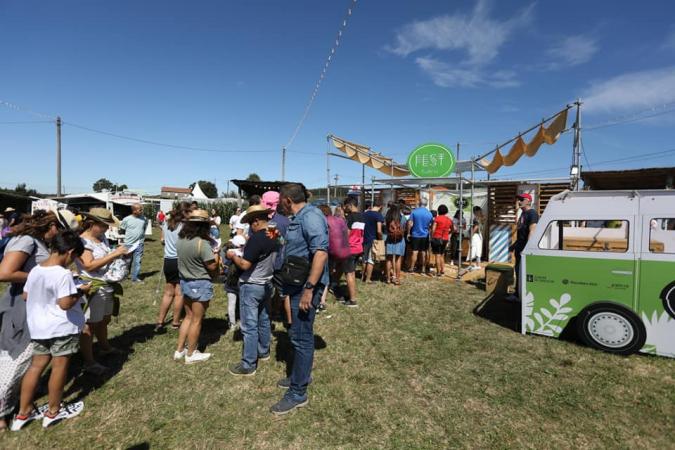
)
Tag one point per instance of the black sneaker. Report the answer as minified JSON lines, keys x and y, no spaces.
{"x":239,"y":370}
{"x":285,"y":383}
{"x":351,"y":304}
{"x":284,"y":406}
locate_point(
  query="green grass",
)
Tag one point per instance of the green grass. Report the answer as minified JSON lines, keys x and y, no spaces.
{"x":413,"y":367}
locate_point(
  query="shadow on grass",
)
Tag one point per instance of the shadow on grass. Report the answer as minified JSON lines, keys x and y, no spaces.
{"x":85,"y":383}
{"x":499,"y":311}
{"x":148,"y":274}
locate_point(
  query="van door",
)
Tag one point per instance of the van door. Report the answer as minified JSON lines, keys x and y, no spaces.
{"x":656,"y":286}
{"x":577,"y":262}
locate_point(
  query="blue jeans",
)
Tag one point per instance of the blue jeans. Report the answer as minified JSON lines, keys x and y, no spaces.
{"x":302,"y":339}
{"x":254,"y":312}
{"x":136,"y":262}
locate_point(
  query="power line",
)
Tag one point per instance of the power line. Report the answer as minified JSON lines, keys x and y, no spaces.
{"x":23,"y":109}
{"x":315,"y":92}
{"x":161,"y":144}
{"x":21,"y":122}
{"x":634,"y":117}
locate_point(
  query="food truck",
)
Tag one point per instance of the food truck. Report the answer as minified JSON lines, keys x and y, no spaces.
{"x":602,"y":264}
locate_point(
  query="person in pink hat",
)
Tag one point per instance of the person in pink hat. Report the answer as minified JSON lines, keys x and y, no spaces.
{"x":270,"y":200}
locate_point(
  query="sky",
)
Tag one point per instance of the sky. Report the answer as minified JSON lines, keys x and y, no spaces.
{"x":236,"y":77}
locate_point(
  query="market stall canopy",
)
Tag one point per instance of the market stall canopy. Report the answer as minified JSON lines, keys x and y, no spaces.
{"x":197,"y":193}
{"x":548,"y":135}
{"x":364,"y":155}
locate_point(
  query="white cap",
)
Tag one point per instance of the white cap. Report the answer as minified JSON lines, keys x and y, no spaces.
{"x":238,"y":241}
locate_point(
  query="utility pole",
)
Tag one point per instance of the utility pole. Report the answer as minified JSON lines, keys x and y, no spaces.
{"x":58,"y":156}
{"x":575,"y":170}
{"x":336,"y":184}
{"x":228,"y":189}
{"x":461,"y":219}
{"x":283,"y":164}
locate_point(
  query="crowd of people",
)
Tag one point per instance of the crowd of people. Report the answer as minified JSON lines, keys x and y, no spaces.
{"x":282,"y":257}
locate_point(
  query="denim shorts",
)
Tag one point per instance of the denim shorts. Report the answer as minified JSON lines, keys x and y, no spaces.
{"x":197,"y":290}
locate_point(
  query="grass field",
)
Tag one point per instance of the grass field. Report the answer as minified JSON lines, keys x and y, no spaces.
{"x":413,"y":367}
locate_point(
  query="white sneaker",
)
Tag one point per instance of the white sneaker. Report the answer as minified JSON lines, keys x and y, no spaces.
{"x":20,"y":421}
{"x":196,"y":357}
{"x":66,"y":412}
{"x":177,"y":356}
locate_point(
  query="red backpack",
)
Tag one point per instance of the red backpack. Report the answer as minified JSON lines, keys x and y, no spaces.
{"x":394,"y":231}
{"x":338,"y":244}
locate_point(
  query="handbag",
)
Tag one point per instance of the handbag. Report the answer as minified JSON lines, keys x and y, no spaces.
{"x":294,"y":271}
{"x":378,"y":250}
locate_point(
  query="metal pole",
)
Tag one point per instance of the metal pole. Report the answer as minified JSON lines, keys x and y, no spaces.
{"x":575,"y":170}
{"x":472,"y":218}
{"x":372,"y":190}
{"x":461,"y":216}
{"x":58,"y":156}
{"x":327,"y":171}
{"x":363,"y":187}
{"x":391,"y":187}
{"x":336,"y":184}
{"x":283,"y":164}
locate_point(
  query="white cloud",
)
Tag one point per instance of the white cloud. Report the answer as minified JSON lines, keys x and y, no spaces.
{"x":572,"y":51}
{"x":631,"y":92}
{"x":476,"y":36}
{"x":669,"y":42}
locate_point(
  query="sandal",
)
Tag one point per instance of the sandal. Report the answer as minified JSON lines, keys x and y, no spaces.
{"x":175,"y":326}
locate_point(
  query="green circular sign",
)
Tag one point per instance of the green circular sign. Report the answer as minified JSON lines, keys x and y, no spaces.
{"x":431,"y":161}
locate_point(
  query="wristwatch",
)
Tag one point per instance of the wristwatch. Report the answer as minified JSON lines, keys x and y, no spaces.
{"x":309,"y":285}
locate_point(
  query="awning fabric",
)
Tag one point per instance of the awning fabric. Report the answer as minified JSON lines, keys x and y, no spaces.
{"x":364,"y":155}
{"x":548,"y":135}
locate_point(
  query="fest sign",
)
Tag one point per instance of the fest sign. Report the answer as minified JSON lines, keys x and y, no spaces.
{"x":431,"y":161}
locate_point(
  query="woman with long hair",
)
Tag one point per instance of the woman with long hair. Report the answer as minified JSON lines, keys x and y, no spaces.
{"x":395,"y":224}
{"x":93,"y":265}
{"x":197,"y":265}
{"x":169,"y":237}
{"x":26,"y":249}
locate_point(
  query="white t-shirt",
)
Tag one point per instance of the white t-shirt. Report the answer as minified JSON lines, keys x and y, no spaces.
{"x":233,"y":221}
{"x":98,"y":250}
{"x":216,"y":221}
{"x":45,"y":318}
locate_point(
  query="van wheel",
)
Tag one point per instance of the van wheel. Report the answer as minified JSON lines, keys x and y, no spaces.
{"x":612,"y":328}
{"x":668,"y":297}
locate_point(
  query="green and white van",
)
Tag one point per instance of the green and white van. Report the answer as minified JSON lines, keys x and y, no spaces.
{"x":602,"y":264}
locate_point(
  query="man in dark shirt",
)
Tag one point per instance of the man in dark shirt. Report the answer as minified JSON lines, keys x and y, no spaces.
{"x":356,"y":225}
{"x":526,"y":223}
{"x":372,"y":231}
{"x":255,"y":289}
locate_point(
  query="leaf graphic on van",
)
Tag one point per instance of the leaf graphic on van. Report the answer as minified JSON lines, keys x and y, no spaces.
{"x":552,"y":325}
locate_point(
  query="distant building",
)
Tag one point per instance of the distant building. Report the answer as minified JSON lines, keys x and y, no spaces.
{"x":175,"y":192}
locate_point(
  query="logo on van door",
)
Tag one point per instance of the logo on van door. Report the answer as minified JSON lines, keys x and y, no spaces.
{"x":668,"y":297}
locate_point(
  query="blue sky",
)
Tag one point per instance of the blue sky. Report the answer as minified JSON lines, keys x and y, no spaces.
{"x":237,"y":76}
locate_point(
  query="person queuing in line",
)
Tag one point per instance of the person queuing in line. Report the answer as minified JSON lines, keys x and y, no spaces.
{"x":440,"y":234}
{"x":355,"y":225}
{"x":133,"y":227}
{"x":93,"y":265}
{"x":234,"y":219}
{"x":255,"y":289}
{"x":55,"y":318}
{"x":231,"y":284}
{"x":340,"y":212}
{"x":418,"y":229}
{"x":395,"y":224}
{"x":372,"y":231}
{"x":215,"y":226}
{"x":457,"y":228}
{"x":172,"y":292}
{"x":476,"y":250}
{"x":26,"y":249}
{"x":526,"y":224}
{"x":307,"y":239}
{"x":197,"y":265}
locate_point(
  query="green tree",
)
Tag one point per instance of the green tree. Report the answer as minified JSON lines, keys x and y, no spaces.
{"x":253,"y":177}
{"x":102,"y":184}
{"x":22,"y":189}
{"x":208,"y":188}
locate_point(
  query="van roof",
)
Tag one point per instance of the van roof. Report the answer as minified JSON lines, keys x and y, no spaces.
{"x":589,"y":204}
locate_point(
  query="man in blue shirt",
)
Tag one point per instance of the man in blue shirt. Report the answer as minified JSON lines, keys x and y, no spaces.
{"x":418,"y":229}
{"x":133,"y":227}
{"x":307,"y":237}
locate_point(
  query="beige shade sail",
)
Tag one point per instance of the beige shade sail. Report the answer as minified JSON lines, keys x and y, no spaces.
{"x":364,"y":155}
{"x":545,"y":135}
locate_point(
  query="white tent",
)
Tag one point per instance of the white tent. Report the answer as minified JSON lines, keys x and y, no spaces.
{"x":197,"y":193}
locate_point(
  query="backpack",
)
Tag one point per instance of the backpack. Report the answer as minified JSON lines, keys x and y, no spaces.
{"x":394,"y":231}
{"x":338,"y":245}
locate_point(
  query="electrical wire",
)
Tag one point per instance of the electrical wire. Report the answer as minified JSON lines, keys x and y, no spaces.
{"x":23,"y":109}
{"x":634,"y":117}
{"x":161,"y":144}
{"x":327,"y":63}
{"x":17,"y":122}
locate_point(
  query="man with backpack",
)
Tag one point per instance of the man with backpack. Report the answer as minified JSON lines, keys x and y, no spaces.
{"x":418,"y":228}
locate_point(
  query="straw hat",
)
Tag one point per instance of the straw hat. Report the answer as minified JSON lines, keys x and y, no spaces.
{"x":256,"y":212}
{"x":199,"y":215}
{"x":102,"y":215}
{"x":66,"y":219}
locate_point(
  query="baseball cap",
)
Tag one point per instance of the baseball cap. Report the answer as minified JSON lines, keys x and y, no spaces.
{"x":525,"y":195}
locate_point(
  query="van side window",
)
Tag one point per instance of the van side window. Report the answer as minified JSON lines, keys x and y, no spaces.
{"x":662,"y":235}
{"x":586,"y":236}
